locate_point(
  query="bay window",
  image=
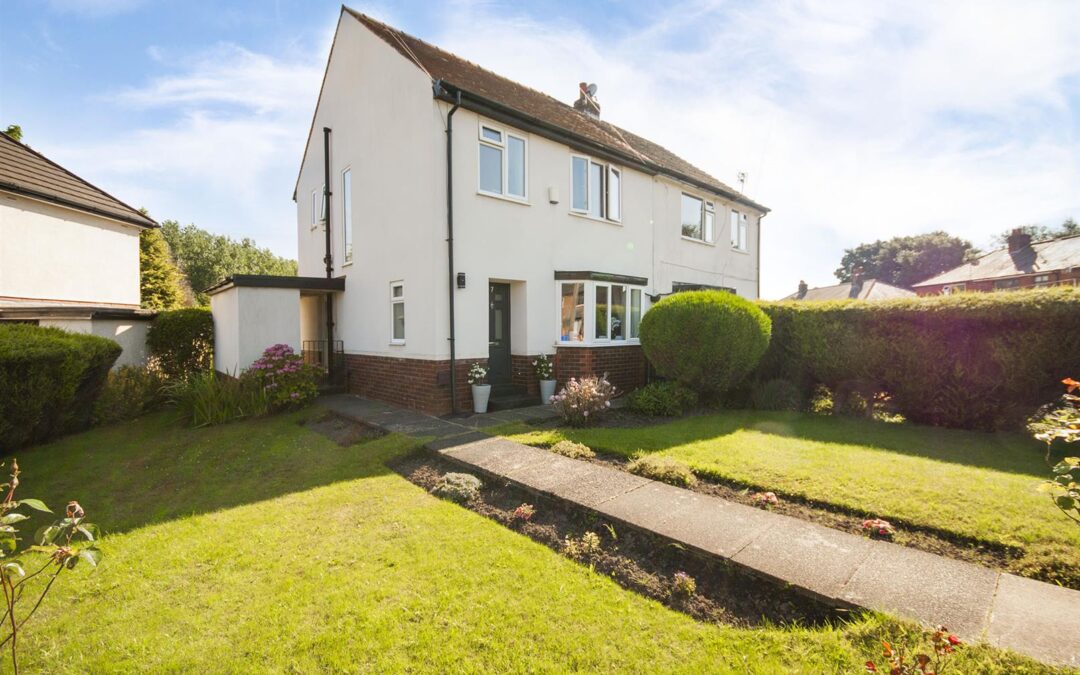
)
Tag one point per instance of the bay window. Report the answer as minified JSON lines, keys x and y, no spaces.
{"x":502,"y":163}
{"x":595,"y":188}
{"x":599,"y":312}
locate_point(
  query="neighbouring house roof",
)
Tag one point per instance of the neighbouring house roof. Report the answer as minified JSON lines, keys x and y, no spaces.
{"x":274,"y":281}
{"x":505,"y":96}
{"x":35,"y":312}
{"x":1038,"y":258}
{"x":26,"y":171}
{"x":869,"y":289}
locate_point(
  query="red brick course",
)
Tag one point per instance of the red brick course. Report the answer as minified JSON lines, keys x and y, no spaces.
{"x":625,"y":365}
{"x":410,"y":383}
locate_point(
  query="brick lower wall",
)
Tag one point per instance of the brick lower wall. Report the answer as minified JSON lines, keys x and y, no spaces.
{"x":419,"y":384}
{"x":625,"y":366}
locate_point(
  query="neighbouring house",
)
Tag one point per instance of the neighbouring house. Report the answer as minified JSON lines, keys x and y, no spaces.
{"x":69,"y":252}
{"x":448,"y":215}
{"x":856,"y":289}
{"x":1020,"y":264}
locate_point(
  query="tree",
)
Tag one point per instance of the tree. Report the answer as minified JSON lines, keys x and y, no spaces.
{"x":1041,"y":232}
{"x":14,"y":131}
{"x":206,"y":258}
{"x":160,"y":281}
{"x":904,"y":261}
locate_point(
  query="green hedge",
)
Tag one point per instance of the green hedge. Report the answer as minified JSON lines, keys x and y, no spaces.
{"x":181,"y":341}
{"x":49,"y":380}
{"x":973,"y":361}
{"x":707,"y":341}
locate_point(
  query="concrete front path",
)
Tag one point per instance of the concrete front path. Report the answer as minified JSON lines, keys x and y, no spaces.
{"x":1030,"y":617}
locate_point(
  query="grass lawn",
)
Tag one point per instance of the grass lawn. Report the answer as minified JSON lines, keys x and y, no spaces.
{"x":977,"y":485}
{"x":264,"y":547}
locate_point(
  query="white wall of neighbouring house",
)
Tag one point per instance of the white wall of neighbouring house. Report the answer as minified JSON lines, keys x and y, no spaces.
{"x":129,"y":334}
{"x":248,"y":320}
{"x":54,"y":255}
{"x":390,"y":131}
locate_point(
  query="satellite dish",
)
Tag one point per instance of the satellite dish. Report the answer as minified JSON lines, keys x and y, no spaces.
{"x":591,"y":89}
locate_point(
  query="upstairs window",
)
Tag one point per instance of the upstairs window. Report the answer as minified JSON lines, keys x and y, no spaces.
{"x":314,"y":209}
{"x":397,"y":312}
{"x":595,"y":188}
{"x":502,"y":163}
{"x":739,"y":226}
{"x":346,"y":213}
{"x":694,"y":219}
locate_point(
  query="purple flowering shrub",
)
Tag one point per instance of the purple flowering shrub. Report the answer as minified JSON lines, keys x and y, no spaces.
{"x":287,"y":381}
{"x":584,"y":401}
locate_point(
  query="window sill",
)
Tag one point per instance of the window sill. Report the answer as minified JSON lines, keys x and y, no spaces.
{"x":397,"y":343}
{"x":347,"y":263}
{"x":505,"y":198}
{"x":697,"y":241}
{"x":606,"y":221}
{"x":600,"y":343}
{"x":740,"y":250}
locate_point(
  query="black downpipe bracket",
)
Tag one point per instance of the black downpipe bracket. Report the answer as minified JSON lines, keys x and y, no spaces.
{"x":450,"y":241}
{"x":329,"y":258}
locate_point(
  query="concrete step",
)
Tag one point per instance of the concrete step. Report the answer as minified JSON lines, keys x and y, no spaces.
{"x":511,"y":401}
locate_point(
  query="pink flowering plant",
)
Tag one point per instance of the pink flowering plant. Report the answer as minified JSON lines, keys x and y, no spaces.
{"x":1063,"y":424}
{"x":878,"y":528}
{"x":584,"y":401}
{"x":287,"y":381}
{"x":765,"y":500}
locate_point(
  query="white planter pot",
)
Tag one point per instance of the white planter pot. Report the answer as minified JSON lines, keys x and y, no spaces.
{"x":480,"y":395}
{"x":547,"y":390}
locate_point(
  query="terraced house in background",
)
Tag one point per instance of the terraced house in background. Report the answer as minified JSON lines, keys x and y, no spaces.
{"x":447,"y":215}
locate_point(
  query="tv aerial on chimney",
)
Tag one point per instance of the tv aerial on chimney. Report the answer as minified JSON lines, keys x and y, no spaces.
{"x":591,"y":89}
{"x":741,"y":176}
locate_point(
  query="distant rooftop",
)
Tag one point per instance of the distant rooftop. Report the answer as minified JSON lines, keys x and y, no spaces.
{"x":868,"y":289}
{"x":1038,"y":257}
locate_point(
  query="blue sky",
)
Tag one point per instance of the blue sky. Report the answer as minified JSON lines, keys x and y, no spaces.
{"x":854,"y":120}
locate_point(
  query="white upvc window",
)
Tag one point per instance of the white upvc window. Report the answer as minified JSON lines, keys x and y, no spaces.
{"x":698,"y":218}
{"x":314,"y":209}
{"x":397,"y":312}
{"x":595,"y":188}
{"x":594,"y":312}
{"x":503,"y":163}
{"x":739,"y":228}
{"x":1042,"y":280}
{"x":949,"y":289}
{"x":347,"y":215}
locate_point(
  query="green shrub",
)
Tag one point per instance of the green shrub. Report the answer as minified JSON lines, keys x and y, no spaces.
{"x":208,"y":398}
{"x":777,"y":394}
{"x":663,"y":469}
{"x":573,"y":450}
{"x":972,"y":360}
{"x":705,"y":340}
{"x":49,"y":380}
{"x":181,"y":341}
{"x":458,"y":487}
{"x":662,"y":399}
{"x":129,"y":391}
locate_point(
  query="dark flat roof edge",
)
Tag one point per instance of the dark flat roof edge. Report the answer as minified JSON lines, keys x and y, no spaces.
{"x":272,"y":281}
{"x":75,"y":312}
{"x":601,"y":276}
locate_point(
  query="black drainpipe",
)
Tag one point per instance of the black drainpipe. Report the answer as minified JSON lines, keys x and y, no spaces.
{"x":329,"y":259}
{"x":450,"y":241}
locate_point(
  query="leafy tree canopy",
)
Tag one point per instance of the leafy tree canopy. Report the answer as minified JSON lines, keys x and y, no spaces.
{"x":206,"y":258}
{"x":904,"y":261}
{"x":14,"y":131}
{"x":1041,"y":232}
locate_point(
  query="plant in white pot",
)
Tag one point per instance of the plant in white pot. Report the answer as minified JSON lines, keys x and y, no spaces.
{"x":545,"y":373}
{"x":481,"y":390}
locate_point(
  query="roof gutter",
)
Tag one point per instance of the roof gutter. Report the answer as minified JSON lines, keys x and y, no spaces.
{"x":504,"y":113}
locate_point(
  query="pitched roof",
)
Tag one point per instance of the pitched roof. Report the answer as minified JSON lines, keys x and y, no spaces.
{"x":1040,"y":257}
{"x":26,"y":171}
{"x":870,"y":289}
{"x":470,"y":78}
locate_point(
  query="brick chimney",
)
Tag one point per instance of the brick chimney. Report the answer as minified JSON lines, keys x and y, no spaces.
{"x":802,"y":290}
{"x":1018,"y":240}
{"x":856,"y":282}
{"x":587,"y":102}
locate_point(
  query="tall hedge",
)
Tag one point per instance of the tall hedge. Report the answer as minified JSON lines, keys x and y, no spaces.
{"x":972,"y":361}
{"x":181,"y":341}
{"x":49,"y":380}
{"x":705,"y":340}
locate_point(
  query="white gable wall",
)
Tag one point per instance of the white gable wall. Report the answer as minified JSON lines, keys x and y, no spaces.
{"x":51,"y":254}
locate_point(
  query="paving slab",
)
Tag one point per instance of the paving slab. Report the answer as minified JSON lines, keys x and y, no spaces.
{"x":596,"y":485}
{"x":551,"y":472}
{"x":925,"y":587}
{"x":464,"y":437}
{"x":478,"y":421}
{"x":497,"y":455}
{"x":1037,"y":619}
{"x":815,"y":558}
{"x":652,"y":504}
{"x":712,"y":525}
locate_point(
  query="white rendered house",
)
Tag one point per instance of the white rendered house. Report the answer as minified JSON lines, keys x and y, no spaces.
{"x":69,"y":252}
{"x":472,"y":219}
